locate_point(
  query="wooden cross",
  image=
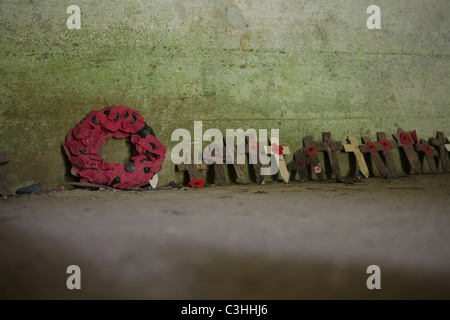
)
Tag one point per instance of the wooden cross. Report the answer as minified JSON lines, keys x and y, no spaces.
{"x":4,"y":158}
{"x":219,"y":170}
{"x":253,"y":150}
{"x":387,"y":146}
{"x":330,"y":147}
{"x":439,"y":142}
{"x":192,"y":169}
{"x":279,"y":152}
{"x":373,"y":148}
{"x":299,"y":163}
{"x":238,"y":168}
{"x":430,"y":153}
{"x":312,"y":157}
{"x":354,"y":147}
{"x":405,"y":140}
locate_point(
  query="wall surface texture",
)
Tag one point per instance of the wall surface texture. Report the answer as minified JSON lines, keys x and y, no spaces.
{"x":301,"y":66}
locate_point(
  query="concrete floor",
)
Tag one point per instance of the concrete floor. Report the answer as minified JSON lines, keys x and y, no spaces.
{"x":277,"y":241}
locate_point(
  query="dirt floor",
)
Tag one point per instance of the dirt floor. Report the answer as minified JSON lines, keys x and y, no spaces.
{"x":276,"y":241}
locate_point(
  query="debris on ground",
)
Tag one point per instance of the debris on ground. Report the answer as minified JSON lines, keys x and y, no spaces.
{"x":36,"y":188}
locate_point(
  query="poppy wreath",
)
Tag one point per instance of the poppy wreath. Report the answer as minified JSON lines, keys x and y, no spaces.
{"x":83,"y":143}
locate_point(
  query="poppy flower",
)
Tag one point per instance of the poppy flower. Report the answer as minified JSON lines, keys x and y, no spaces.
{"x":115,"y":113}
{"x":101,"y":116}
{"x":83,"y":161}
{"x":197,"y":183}
{"x":404,"y":138}
{"x":427,"y":149}
{"x":311,"y":150}
{"x":149,"y":143}
{"x":72,"y":146}
{"x":113,"y":125}
{"x":371,"y":147}
{"x":111,"y":118}
{"x":277,"y":149}
{"x":82,"y":132}
{"x":132,"y":122}
{"x":91,"y":119}
{"x":385,"y":144}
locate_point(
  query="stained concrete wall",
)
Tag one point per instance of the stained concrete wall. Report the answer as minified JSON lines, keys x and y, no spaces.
{"x":301,"y":66}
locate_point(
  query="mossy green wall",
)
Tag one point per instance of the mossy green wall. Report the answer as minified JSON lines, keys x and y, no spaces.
{"x":301,"y":66}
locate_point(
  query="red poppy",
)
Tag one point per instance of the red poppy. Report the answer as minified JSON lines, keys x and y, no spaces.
{"x":371,"y":146}
{"x":113,"y":125}
{"x":197,"y":183}
{"x":427,"y":149}
{"x":385,"y":144}
{"x":111,"y":117}
{"x":132,"y":123}
{"x":404,"y":138}
{"x":82,"y":132}
{"x":72,"y":146}
{"x":149,"y":143}
{"x":311,"y":150}
{"x":277,"y":149}
{"x":116,"y":112}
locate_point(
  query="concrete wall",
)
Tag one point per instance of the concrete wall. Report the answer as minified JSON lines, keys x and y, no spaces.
{"x":301,"y":66}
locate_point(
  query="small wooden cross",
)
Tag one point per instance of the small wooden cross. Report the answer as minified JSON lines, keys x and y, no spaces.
{"x":192,"y":169}
{"x":373,"y":148}
{"x":219,"y":170}
{"x":439,"y":142}
{"x":387,"y":146}
{"x":299,"y":163}
{"x":252,"y":148}
{"x":330,"y":147}
{"x":279,"y":152}
{"x":430,"y":153}
{"x":354,"y":147}
{"x":238,"y":168}
{"x":312,"y":157}
{"x":405,"y":140}
{"x":4,"y":158}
